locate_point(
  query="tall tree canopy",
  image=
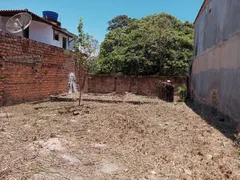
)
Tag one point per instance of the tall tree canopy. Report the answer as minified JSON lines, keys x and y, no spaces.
{"x":157,"y":44}
{"x":118,"y":22}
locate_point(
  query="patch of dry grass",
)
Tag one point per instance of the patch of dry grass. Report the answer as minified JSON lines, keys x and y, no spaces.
{"x":156,"y":140}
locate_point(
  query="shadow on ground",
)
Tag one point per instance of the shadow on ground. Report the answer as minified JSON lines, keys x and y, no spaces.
{"x":219,"y":121}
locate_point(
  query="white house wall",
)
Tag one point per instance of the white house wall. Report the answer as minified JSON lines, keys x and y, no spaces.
{"x":71,"y":43}
{"x":59,"y":42}
{"x":40,"y":32}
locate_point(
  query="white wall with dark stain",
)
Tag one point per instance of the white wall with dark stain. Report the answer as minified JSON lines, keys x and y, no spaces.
{"x":215,"y":78}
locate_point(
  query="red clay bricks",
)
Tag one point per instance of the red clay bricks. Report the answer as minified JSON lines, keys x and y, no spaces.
{"x":31,"y":70}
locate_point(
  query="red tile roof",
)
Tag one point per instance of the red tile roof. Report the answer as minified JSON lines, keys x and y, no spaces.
{"x":35,"y":17}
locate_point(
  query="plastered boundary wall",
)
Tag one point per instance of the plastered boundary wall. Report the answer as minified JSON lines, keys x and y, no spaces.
{"x":215,"y":77}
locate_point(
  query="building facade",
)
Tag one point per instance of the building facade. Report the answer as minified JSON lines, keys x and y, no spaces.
{"x":41,"y":30}
{"x":215,"y":73}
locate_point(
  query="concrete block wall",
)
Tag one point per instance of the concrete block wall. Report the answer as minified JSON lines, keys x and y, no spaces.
{"x":215,"y":75}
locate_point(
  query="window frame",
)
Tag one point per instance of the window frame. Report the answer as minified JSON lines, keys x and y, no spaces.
{"x":64,"y":42}
{"x":55,"y":34}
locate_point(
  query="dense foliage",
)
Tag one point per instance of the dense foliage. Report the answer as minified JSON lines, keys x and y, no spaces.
{"x":157,"y":44}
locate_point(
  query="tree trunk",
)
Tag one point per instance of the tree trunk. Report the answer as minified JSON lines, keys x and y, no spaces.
{"x":83,"y":85}
{"x":79,"y":83}
{"x":80,"y":97}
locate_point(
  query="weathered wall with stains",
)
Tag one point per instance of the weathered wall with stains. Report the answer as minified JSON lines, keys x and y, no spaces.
{"x":215,"y":78}
{"x":218,"y":22}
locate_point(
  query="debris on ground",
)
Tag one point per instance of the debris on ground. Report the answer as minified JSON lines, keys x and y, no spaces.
{"x":154,"y":140}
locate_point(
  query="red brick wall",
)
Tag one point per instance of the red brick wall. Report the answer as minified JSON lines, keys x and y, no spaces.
{"x":101,"y":83}
{"x":145,"y":85}
{"x":31,"y":70}
{"x":123,"y":84}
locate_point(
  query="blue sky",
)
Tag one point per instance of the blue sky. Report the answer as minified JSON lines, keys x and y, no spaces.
{"x":96,"y":13}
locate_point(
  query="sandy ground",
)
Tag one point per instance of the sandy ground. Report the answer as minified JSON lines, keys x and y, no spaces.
{"x":118,"y":140}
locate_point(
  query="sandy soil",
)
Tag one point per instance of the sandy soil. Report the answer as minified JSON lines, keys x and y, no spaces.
{"x":118,"y":140}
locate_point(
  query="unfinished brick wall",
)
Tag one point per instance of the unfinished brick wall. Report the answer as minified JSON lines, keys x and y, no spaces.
{"x":147,"y":86}
{"x":144,"y":85}
{"x":31,"y":70}
{"x":123,"y":84}
{"x":101,"y":84}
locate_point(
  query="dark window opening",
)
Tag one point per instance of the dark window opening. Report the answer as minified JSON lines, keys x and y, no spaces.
{"x":26,"y":33}
{"x":64,"y":43}
{"x":56,"y":37}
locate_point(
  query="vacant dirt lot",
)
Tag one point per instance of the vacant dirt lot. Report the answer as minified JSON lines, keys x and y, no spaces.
{"x":139,"y":138}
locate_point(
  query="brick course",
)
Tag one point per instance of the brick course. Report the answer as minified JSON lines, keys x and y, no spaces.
{"x":144,"y":85}
{"x":101,"y":83}
{"x":31,"y":70}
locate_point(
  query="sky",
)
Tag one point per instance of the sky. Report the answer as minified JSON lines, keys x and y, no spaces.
{"x":96,"y":13}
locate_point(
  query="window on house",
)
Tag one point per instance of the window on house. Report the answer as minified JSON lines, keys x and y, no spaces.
{"x":26,"y":33}
{"x":55,"y":36}
{"x":64,"y":43}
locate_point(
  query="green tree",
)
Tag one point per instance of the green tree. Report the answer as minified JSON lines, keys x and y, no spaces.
{"x":157,"y":44}
{"x":118,"y":22}
{"x":85,"y":48}
{"x":92,"y":64}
